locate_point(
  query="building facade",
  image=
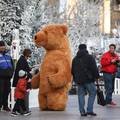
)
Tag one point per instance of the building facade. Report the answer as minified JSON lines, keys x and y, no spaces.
{"x":110,"y":17}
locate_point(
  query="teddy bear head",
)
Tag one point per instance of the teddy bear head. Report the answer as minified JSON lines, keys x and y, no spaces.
{"x":52,"y":37}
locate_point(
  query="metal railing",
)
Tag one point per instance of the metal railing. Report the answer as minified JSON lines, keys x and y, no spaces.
{"x":117,"y":86}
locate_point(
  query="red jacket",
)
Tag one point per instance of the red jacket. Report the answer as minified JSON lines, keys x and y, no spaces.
{"x":20,"y":89}
{"x":106,"y":64}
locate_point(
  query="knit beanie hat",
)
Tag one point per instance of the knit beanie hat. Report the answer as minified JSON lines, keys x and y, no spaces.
{"x":22,"y":73}
{"x":82,"y":46}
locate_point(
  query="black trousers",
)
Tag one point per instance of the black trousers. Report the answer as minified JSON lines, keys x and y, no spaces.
{"x":27,"y":101}
{"x":5,"y":88}
{"x":19,"y":106}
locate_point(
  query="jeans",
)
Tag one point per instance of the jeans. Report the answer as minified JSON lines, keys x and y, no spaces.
{"x":90,"y":88}
{"x":109,"y":86}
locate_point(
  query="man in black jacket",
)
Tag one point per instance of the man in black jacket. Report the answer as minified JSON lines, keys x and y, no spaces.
{"x":85,"y":72}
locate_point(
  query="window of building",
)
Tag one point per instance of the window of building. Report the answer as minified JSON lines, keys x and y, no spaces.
{"x":118,"y":2}
{"x":118,"y":22}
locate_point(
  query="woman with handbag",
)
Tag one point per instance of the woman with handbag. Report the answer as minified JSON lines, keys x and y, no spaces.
{"x":6,"y":72}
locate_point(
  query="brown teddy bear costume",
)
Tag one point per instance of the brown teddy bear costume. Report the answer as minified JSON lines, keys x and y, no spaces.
{"x":54,"y":79}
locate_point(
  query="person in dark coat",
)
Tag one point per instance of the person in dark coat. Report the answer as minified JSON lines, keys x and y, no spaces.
{"x":22,"y":64}
{"x":85,"y":72}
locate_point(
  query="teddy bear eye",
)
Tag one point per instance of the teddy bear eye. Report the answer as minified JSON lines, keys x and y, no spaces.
{"x":35,"y":37}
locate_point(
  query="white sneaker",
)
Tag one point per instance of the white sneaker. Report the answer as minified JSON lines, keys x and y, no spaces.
{"x":26,"y":113}
{"x":14,"y":114}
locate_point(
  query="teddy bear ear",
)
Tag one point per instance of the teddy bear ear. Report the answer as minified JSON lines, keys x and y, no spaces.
{"x":64,"y":28}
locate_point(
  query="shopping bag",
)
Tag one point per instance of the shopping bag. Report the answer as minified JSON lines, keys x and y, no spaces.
{"x":100,"y":97}
{"x":73,"y":90}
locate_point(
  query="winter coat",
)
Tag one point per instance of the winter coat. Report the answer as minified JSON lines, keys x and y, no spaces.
{"x":22,"y":64}
{"x":20,"y":90}
{"x":82,"y":72}
{"x":6,"y":62}
{"x":106,"y":65}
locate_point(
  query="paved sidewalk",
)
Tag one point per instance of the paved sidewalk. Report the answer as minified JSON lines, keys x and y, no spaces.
{"x":71,"y":113}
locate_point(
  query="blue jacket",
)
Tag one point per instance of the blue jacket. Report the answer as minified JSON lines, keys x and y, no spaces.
{"x":5,"y":61}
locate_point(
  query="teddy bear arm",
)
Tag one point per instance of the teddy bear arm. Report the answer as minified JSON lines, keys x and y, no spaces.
{"x":35,"y":81}
{"x":60,"y":78}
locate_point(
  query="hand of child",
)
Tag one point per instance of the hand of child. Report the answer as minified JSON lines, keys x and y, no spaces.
{"x":28,"y":90}
{"x":29,"y":80}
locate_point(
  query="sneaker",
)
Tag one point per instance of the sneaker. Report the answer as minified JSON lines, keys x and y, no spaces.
{"x":83,"y":114}
{"x":112,"y":104}
{"x":14,"y":114}
{"x":7,"y":109}
{"x":91,"y":114}
{"x":26,"y":113}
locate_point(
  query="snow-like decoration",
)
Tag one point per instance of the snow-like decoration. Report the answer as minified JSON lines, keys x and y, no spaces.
{"x":30,"y":15}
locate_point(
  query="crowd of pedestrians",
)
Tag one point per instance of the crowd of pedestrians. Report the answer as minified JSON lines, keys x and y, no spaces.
{"x":21,"y":81}
{"x":84,"y":70}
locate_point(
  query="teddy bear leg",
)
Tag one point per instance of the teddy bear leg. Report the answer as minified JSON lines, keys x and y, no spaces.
{"x":43,"y":102}
{"x":57,"y":101}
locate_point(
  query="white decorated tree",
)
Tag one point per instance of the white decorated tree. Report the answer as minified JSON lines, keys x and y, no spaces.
{"x":84,"y":26}
{"x":10,"y":18}
{"x":30,"y":15}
